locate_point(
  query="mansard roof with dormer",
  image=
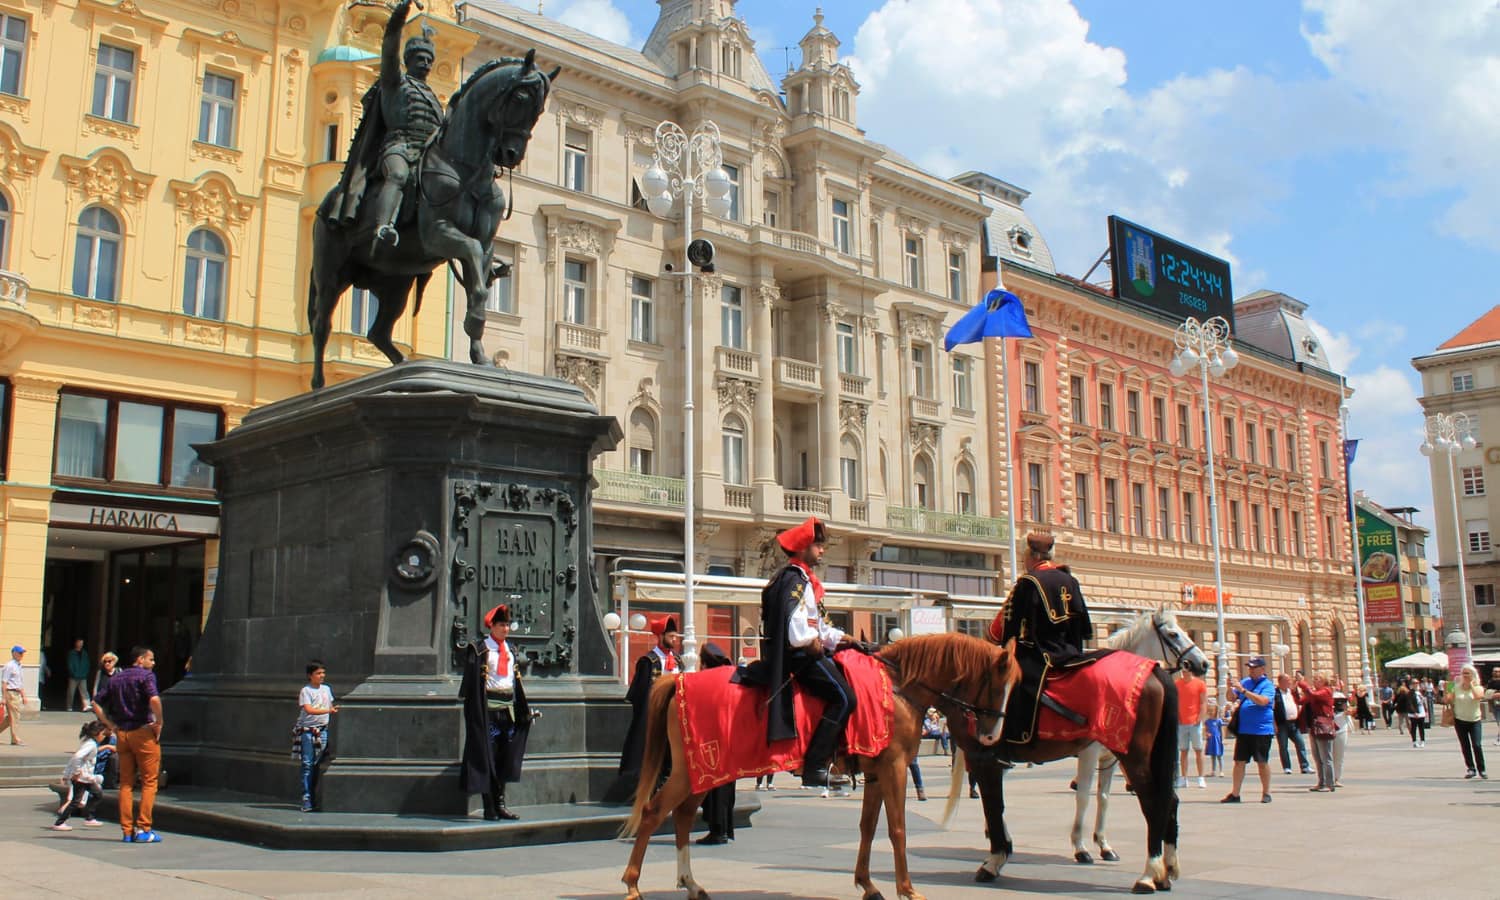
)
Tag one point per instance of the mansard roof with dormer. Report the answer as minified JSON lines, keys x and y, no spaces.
{"x":677,"y":16}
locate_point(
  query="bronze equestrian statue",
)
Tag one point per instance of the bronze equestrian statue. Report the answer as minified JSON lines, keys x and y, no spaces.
{"x":419,"y":188}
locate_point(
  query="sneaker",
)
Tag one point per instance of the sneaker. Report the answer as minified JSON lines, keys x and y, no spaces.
{"x":1181,"y":782}
{"x":92,"y":823}
{"x":1471,"y":774}
{"x":1288,"y":771}
{"x":147,"y":837}
{"x":61,"y":826}
{"x":1265,"y":798}
{"x":1483,"y":777}
{"x":1201,"y":782}
{"x":128,"y":838}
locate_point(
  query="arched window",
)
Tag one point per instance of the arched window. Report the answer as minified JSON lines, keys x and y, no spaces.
{"x":963,"y":486}
{"x":921,"y":483}
{"x":203,"y":279}
{"x":849,"y":478}
{"x":1304,"y":647}
{"x":1340,"y":651}
{"x":734,"y":451}
{"x":642,"y":442}
{"x":96,"y":255}
{"x":4,"y":229}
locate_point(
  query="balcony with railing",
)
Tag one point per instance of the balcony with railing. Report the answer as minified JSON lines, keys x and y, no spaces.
{"x":914,"y":520}
{"x":739,"y":363}
{"x":796,"y":241}
{"x":13,"y":289}
{"x":855,"y":387}
{"x":738,"y":497}
{"x":798,"y":375}
{"x":925,"y":409}
{"x":581,"y":339}
{"x":643,"y":490}
{"x":810,"y":503}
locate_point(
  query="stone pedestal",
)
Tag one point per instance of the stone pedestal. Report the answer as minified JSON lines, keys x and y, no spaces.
{"x":370,"y":526}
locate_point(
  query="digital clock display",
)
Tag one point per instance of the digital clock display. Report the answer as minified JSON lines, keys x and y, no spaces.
{"x":1158,"y":272}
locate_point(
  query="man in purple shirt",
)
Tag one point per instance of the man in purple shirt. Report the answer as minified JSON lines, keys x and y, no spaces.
{"x":129,"y":704}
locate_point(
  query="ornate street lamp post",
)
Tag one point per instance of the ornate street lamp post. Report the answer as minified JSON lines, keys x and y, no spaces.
{"x":690,"y":168}
{"x":1449,"y":434}
{"x":1205,"y":346}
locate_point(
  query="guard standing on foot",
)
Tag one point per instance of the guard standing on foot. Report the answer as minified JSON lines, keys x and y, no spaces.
{"x":497,"y":718}
{"x":799,"y":643}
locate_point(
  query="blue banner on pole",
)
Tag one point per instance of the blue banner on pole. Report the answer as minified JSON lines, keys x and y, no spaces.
{"x":999,"y":314}
{"x":1350,"y":448}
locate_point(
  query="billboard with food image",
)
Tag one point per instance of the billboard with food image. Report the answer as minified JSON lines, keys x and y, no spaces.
{"x":1379,"y":568}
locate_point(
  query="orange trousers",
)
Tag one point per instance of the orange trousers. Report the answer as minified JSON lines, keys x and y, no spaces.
{"x":139,"y":751}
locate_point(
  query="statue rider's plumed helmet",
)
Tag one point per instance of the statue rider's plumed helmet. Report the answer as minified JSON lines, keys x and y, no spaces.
{"x":420,"y":42}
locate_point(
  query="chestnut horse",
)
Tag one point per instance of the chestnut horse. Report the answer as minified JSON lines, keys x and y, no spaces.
{"x":1150,"y":764}
{"x":952,"y":671}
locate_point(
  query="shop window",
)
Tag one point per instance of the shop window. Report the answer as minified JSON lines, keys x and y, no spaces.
{"x":133,"y":441}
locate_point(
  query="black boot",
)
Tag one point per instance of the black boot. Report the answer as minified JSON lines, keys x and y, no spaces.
{"x":501,"y":811}
{"x":491,"y":814}
{"x":819,"y":754}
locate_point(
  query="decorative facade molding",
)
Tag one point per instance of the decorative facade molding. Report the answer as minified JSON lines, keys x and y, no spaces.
{"x":587,"y":374}
{"x":925,"y":436}
{"x":103,"y":318}
{"x":853,"y":416}
{"x":767,"y":293}
{"x":107,"y":177}
{"x":18,"y":162}
{"x":579,"y":236}
{"x":736,"y":393}
{"x":212,"y":200}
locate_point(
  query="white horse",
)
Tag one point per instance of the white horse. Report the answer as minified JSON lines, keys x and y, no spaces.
{"x":1155,"y":636}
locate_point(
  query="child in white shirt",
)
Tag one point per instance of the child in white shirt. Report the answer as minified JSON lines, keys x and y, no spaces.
{"x":85,"y":788}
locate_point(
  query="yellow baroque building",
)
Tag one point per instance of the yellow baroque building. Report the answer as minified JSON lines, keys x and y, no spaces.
{"x":160,"y":163}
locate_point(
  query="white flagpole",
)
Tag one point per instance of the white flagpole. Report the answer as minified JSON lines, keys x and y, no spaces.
{"x":1010,"y":469}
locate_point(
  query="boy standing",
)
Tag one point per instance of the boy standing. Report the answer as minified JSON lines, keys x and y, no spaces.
{"x":310,"y":734}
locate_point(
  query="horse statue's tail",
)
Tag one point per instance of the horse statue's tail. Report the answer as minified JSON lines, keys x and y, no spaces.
{"x":658,"y":712}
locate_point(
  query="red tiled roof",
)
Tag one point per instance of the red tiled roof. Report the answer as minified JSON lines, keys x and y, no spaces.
{"x":1482,"y":331}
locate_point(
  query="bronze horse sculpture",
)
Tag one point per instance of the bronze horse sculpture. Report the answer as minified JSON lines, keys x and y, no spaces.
{"x":962,"y":675}
{"x":451,"y":212}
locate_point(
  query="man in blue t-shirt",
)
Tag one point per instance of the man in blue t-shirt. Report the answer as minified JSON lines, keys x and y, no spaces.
{"x":1257,"y":726}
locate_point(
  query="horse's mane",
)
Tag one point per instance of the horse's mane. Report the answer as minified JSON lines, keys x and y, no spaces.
{"x":484,"y":69}
{"x":952,"y":657}
{"x":1130,"y":634}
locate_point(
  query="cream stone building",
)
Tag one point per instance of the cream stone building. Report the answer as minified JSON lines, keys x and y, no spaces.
{"x":1109,"y":453}
{"x":160,"y":161}
{"x":1462,"y":377}
{"x":820,"y":382}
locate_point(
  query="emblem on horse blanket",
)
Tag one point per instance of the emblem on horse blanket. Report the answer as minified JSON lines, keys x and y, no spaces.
{"x":1107,"y":691}
{"x":724,"y":724}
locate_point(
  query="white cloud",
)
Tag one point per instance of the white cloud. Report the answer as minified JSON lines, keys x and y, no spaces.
{"x":600,"y":18}
{"x":1430,"y":72}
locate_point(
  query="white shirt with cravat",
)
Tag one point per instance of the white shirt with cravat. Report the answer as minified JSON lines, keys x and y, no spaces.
{"x":806,"y":624}
{"x":500,"y":667}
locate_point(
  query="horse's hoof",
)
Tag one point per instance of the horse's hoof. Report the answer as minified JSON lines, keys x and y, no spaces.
{"x":1109,"y":856}
{"x":1083,"y":857}
{"x":1143,"y":887}
{"x":1164,"y":885}
{"x":875,"y":896}
{"x":985,"y":876}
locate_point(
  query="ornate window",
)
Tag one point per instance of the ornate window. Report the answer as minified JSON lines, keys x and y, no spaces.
{"x":4,"y":229}
{"x":734,"y":450}
{"x":96,"y":255}
{"x":576,"y":292}
{"x":921,"y":370}
{"x":734,"y":192}
{"x":732,"y":317}
{"x":1159,"y":419}
{"x":1032,"y":386}
{"x":1138,"y":509}
{"x":1077,"y":401}
{"x":114,"y":82}
{"x":771,"y":213}
{"x":921,"y":483}
{"x":956,"y":277}
{"x":217,"y":109}
{"x":963,"y":490}
{"x":1036,"y":496}
{"x":1107,"y":407}
{"x":1190,"y":517}
{"x":501,"y":297}
{"x":576,"y":160}
{"x":841,"y":225}
{"x":204,"y":278}
{"x":963,"y":382}
{"x":1112,"y":505}
{"x":849,"y":478}
{"x":1164,"y":513}
{"x":912,"y":254}
{"x":847,"y":348}
{"x":1230,"y":448}
{"x":642,"y":310}
{"x":1082,"y":511}
{"x":643,"y":442}
{"x":12,"y":54}
{"x":1184,"y":427}
{"x":1133,"y":412}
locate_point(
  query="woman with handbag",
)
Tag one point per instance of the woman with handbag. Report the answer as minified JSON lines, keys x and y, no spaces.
{"x":1466,"y":700}
{"x":1317,"y":699}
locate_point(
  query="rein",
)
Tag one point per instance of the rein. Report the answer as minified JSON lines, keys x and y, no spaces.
{"x":1168,"y":653}
{"x":972,"y":709}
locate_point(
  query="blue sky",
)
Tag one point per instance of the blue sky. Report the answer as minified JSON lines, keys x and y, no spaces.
{"x":1340,"y":151}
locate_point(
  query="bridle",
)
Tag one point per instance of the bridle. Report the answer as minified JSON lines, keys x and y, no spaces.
{"x":470,"y":182}
{"x":1168,"y":650}
{"x":972,"y":711}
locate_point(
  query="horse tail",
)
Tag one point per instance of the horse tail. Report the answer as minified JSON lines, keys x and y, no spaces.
{"x":653,"y":758}
{"x":959,"y":769}
{"x":421,"y":286}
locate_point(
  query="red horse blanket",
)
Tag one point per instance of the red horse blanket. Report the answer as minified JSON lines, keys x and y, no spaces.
{"x":1107,"y":691}
{"x":724,"y":725}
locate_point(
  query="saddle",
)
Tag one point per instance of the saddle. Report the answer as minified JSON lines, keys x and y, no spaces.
{"x":717,"y":715}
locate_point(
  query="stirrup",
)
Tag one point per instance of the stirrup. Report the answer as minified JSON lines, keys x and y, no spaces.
{"x":388,"y":235}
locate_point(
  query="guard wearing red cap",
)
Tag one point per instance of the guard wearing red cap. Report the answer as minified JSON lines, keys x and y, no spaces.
{"x":496,"y":716}
{"x":1046,"y":616}
{"x":799,"y":643}
{"x":662,"y":660}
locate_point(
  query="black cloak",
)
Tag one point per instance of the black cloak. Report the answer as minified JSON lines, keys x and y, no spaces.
{"x":480,"y":772}
{"x":780,"y":596}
